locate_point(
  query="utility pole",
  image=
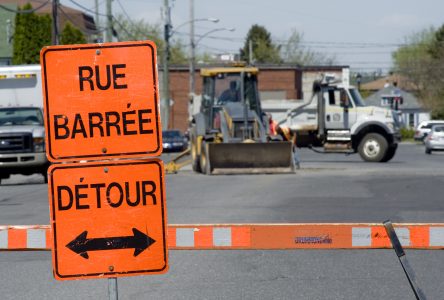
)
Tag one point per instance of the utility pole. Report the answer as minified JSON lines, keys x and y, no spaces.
{"x":192,"y":64}
{"x":250,"y":52}
{"x":109,"y":22}
{"x":55,"y":22}
{"x":165,"y":108}
{"x":192,"y":49}
{"x":99,"y":38}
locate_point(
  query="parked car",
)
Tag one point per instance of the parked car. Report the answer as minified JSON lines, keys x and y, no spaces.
{"x":174,"y":140}
{"x":424,"y":128}
{"x":435,"y":139}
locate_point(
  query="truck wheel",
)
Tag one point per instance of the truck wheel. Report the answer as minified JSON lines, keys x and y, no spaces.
{"x":204,"y":159}
{"x":4,"y":176}
{"x":373,"y":147}
{"x":390,"y":153}
{"x":45,"y":176}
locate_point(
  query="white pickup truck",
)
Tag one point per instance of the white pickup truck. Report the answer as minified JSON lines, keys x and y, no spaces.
{"x":22,"y":132}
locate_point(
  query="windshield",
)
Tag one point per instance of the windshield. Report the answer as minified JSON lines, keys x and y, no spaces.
{"x":228,"y":89}
{"x":171,"y":134}
{"x":20,"y":116}
{"x":356,"y":97}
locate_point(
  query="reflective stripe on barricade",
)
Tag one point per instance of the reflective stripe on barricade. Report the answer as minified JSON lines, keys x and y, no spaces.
{"x":259,"y":236}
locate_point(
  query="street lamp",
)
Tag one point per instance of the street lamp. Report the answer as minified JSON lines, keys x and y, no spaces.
{"x":212,"y":31}
{"x":193,"y":45}
{"x":168,"y":33}
{"x":214,"y":20}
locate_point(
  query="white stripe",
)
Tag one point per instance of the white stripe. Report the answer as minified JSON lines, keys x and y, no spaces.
{"x":437,"y":236}
{"x":4,"y":239}
{"x":403,"y":236}
{"x":361,"y":236}
{"x":222,"y":237}
{"x":185,"y":237}
{"x":36,"y":238}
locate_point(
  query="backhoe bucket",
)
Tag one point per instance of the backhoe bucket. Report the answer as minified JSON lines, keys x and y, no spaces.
{"x":248,"y":158}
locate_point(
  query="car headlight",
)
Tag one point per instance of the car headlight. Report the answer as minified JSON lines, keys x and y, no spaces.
{"x":39,"y":144}
{"x":391,"y":126}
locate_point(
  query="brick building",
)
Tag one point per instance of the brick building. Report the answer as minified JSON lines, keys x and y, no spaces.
{"x":275,"y":82}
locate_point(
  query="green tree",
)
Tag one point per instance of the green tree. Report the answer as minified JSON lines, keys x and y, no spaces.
{"x":421,"y":60}
{"x":264,"y":51}
{"x":32,"y":33}
{"x":292,"y":51}
{"x":436,"y":47}
{"x":71,"y":35}
{"x":137,"y":30}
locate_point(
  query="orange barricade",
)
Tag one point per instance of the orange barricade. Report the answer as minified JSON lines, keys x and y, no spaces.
{"x":259,"y":236}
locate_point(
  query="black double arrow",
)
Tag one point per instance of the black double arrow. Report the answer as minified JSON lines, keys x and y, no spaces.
{"x":139,"y":241}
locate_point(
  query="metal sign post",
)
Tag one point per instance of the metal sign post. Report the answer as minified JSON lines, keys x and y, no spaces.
{"x":112,"y":289}
{"x":403,"y":260}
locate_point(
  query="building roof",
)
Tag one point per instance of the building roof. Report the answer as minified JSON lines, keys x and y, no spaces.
{"x":403,"y":83}
{"x":410,"y":101}
{"x":84,"y":22}
{"x":79,"y":19}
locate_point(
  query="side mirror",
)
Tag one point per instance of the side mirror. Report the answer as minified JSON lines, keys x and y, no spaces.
{"x":344,"y":101}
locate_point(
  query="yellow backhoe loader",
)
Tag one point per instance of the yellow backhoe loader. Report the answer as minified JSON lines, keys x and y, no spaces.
{"x":230,"y":132}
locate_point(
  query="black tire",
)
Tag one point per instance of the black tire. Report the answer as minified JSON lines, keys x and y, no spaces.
{"x":428,"y":151}
{"x":45,"y":176}
{"x":390,"y":153}
{"x":4,"y":176}
{"x":195,"y":158}
{"x":204,"y":160}
{"x":373,"y":147}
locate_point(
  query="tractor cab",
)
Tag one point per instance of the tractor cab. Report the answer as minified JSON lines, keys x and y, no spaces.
{"x":232,"y":88}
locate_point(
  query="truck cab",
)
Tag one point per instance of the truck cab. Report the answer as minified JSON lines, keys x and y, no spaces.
{"x":22,"y":131}
{"x":337,"y":119}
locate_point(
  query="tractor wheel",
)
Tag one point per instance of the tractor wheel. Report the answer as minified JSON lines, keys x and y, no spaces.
{"x":204,"y":159}
{"x":373,"y":147}
{"x":195,"y":157}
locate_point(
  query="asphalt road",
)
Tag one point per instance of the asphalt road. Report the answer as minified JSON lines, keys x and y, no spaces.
{"x":328,"y":188}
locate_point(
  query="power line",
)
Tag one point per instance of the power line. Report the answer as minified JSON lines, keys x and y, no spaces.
{"x":123,"y":28}
{"x":86,"y":30}
{"x":132,"y":23}
{"x":124,"y":12}
{"x":87,"y":9}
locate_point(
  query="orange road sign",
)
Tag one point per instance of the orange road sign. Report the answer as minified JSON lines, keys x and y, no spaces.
{"x":101,"y":101}
{"x":108,"y":219}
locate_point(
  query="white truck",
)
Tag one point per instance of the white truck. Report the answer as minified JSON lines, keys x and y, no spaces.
{"x":337,"y":119}
{"x":22,"y":131}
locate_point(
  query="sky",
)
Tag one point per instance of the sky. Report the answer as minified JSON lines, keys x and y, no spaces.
{"x":361,"y":34}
